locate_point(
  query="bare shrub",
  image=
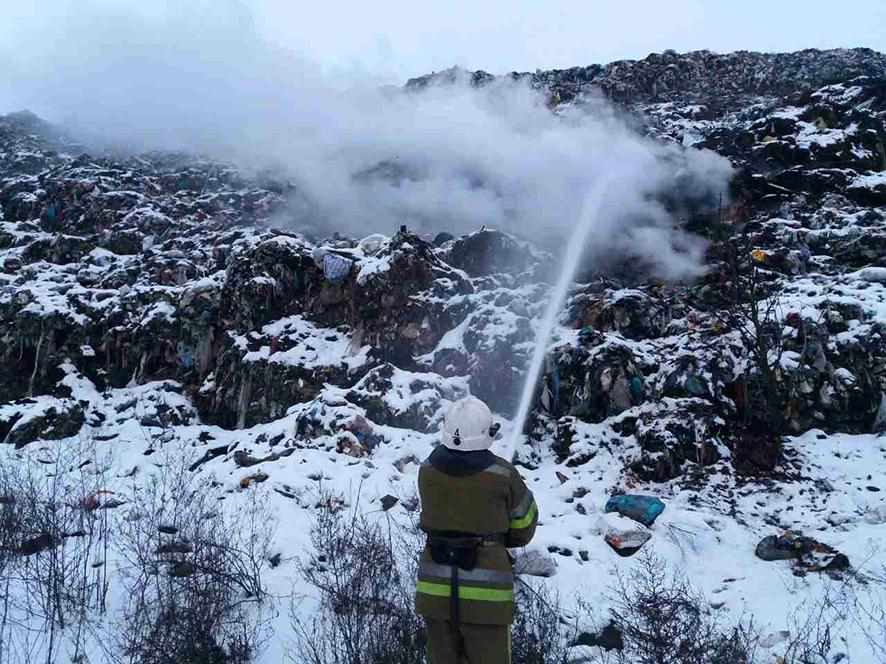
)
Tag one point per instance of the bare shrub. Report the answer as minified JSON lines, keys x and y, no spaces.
{"x":813,"y":636}
{"x":365,"y":612}
{"x":193,"y":573}
{"x":53,"y":545}
{"x":754,"y":311}
{"x":539,"y":633}
{"x":663,"y":620}
{"x":364,"y":570}
{"x":853,"y":610}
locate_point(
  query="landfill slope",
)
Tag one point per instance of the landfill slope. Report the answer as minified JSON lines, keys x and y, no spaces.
{"x":155,"y":302}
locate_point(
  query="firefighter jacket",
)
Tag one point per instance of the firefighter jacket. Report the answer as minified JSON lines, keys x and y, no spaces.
{"x":473,"y":493}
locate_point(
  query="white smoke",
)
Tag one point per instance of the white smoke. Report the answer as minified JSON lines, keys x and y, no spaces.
{"x":198,"y":76}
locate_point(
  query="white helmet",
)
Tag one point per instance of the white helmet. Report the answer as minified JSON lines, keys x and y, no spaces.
{"x":468,"y":426}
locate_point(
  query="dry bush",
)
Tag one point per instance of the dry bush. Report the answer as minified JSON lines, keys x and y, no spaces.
{"x":539,"y":633}
{"x":193,"y":572}
{"x":364,"y":590}
{"x":663,"y":620}
{"x":53,"y":549}
{"x":363,"y":572}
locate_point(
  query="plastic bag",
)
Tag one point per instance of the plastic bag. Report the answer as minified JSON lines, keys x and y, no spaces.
{"x":642,"y":509}
{"x":336,"y":268}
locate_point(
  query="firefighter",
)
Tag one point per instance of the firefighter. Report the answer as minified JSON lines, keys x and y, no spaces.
{"x":474,"y":507}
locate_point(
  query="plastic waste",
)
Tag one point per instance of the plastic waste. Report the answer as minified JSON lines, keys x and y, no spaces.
{"x":443,"y":238}
{"x":642,"y":509}
{"x":370,"y":244}
{"x":775,"y":547}
{"x":695,"y":386}
{"x":336,"y":268}
{"x":637,"y":392}
{"x":586,"y":335}
{"x":535,"y":563}
{"x":623,"y":534}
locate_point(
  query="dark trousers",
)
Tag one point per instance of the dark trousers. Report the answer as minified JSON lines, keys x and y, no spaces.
{"x":483,"y":644}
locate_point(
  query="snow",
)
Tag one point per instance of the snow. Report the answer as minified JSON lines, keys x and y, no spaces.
{"x":313,"y":347}
{"x":869,"y":181}
{"x":809,"y":134}
{"x":160,"y":310}
{"x":708,"y":533}
{"x":371,"y":267}
{"x":789,"y":113}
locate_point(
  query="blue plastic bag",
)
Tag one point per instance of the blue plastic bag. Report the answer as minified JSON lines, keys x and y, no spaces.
{"x":642,"y":509}
{"x":336,"y":268}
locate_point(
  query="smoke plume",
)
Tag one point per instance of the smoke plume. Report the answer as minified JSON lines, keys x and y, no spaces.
{"x":198,"y":76}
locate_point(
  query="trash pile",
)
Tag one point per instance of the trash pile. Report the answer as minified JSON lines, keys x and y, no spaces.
{"x":627,"y":521}
{"x":171,"y":268}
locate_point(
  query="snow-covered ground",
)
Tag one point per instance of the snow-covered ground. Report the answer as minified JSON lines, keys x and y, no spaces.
{"x":708,"y":530}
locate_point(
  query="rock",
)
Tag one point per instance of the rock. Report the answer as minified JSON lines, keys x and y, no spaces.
{"x":387,"y":502}
{"x":874,"y":515}
{"x":182,"y":569}
{"x":535,"y":563}
{"x":642,"y":509}
{"x":624,"y":535}
{"x":34,"y":545}
{"x":608,"y":638}
{"x":53,"y":420}
{"x":179,"y":547}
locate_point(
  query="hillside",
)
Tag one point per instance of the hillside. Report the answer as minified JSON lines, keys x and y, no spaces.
{"x":163,"y":308}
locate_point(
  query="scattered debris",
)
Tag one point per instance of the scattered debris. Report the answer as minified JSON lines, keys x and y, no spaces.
{"x":624,"y":535}
{"x":642,"y":509}
{"x":535,"y":563}
{"x":808,"y":554}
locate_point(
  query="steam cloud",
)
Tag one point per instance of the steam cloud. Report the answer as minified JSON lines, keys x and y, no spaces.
{"x":198,"y":76}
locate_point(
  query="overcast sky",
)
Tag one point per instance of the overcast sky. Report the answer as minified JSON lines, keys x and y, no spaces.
{"x":391,"y":40}
{"x":401,"y":38}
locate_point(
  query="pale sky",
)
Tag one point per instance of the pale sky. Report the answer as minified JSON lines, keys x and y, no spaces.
{"x":401,"y":38}
{"x":391,"y":40}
